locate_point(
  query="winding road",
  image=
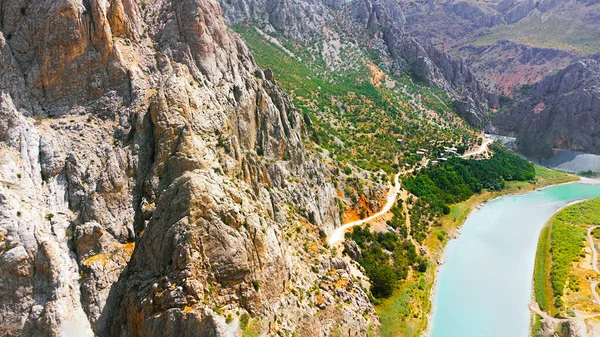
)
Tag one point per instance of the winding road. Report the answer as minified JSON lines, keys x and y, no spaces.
{"x":338,"y":234}
{"x":482,"y":148}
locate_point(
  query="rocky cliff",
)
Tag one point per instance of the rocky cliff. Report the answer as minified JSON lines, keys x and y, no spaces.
{"x":378,"y":24}
{"x":154,"y":181}
{"x":505,"y":66}
{"x":560,"y":111}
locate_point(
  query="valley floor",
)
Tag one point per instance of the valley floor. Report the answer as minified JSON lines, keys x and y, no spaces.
{"x":566,"y":276}
{"x":408,"y":311}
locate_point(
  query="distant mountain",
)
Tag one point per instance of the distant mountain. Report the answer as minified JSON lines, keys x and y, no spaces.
{"x":379,"y":24}
{"x":545,"y":36}
{"x":561,"y":111}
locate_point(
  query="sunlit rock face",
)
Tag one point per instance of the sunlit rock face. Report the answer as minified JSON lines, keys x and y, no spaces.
{"x":154,"y":181}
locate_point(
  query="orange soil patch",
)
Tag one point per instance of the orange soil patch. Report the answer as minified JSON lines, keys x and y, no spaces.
{"x":102,"y":258}
{"x":116,"y":251}
{"x":377,"y":75}
{"x":341,"y":283}
{"x":319,"y":299}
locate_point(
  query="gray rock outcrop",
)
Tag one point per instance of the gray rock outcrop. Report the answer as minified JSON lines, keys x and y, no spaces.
{"x":561,"y":111}
{"x":154,"y":182}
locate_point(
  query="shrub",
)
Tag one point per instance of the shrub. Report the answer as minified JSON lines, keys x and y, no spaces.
{"x":244,"y":321}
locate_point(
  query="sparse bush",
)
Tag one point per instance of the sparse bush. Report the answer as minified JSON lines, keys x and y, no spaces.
{"x":244,"y":321}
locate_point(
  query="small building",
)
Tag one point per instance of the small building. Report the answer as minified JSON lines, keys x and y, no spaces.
{"x":443,"y":159}
{"x":423,"y":150}
{"x":420,"y":152}
{"x":434,"y":162}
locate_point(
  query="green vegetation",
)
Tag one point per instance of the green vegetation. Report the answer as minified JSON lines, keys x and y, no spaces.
{"x":551,"y":32}
{"x":404,"y":313}
{"x":253,"y":329}
{"x":553,"y":176}
{"x":566,"y":233}
{"x":386,"y":259}
{"x":399,"y":315}
{"x":536,"y":327}
{"x":244,"y":321}
{"x":459,"y":179}
{"x":360,"y":121}
{"x":590,"y":174}
{"x":542,"y":266}
{"x":354,"y":115}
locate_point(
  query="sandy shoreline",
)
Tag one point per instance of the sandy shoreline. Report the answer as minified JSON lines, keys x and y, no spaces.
{"x":455,"y":234}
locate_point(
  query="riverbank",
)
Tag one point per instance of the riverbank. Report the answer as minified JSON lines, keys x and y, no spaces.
{"x":408,"y":311}
{"x":566,"y":272}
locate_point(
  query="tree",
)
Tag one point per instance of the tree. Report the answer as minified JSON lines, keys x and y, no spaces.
{"x":383,"y":281}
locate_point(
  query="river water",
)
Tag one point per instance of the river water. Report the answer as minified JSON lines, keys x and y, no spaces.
{"x":485,"y":286}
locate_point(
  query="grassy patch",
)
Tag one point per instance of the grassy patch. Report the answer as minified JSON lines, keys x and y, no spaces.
{"x":561,"y":244}
{"x":252,"y":329}
{"x":536,"y":327}
{"x":555,"y":177}
{"x":405,"y":313}
{"x":555,"y":32}
{"x":543,"y":262}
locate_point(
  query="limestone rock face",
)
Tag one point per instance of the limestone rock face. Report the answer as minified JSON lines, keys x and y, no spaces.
{"x":307,"y":21}
{"x":154,"y":181}
{"x":560,"y":111}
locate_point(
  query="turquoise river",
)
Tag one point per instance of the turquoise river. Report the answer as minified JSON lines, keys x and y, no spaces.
{"x":485,"y":286}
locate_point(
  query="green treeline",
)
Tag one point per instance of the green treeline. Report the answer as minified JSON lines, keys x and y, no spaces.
{"x":386,"y":259}
{"x":458,"y":179}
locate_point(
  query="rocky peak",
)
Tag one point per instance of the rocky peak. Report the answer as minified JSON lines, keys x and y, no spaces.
{"x":153,"y":178}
